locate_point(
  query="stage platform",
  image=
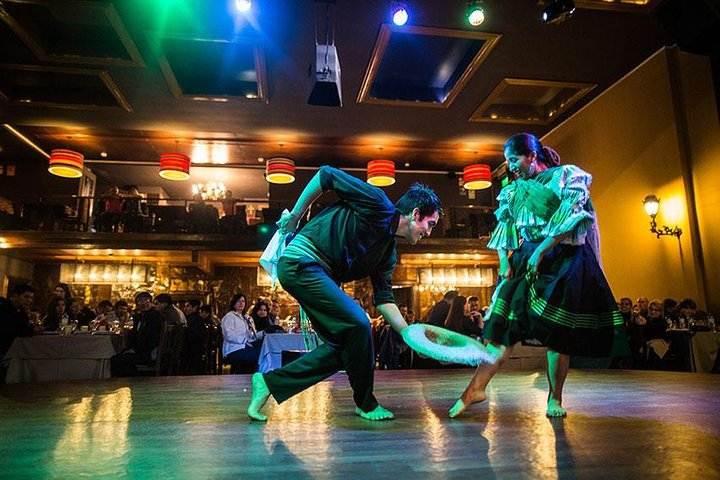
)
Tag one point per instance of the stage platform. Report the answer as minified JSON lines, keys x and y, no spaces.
{"x":621,"y":424}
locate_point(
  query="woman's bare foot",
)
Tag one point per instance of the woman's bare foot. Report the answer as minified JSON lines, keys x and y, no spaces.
{"x":260,"y":395}
{"x":555,"y":409}
{"x":379,"y":413}
{"x":464,"y":402}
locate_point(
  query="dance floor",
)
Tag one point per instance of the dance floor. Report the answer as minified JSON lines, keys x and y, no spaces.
{"x":621,"y":424}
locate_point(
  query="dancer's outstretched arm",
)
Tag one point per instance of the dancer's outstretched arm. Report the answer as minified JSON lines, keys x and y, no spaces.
{"x":392,"y":315}
{"x":289,"y":222}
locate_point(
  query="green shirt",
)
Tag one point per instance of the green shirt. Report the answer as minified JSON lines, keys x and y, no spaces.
{"x":354,"y":237}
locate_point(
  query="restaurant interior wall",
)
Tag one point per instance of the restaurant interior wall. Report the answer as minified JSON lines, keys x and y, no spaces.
{"x":704,"y":127}
{"x":13,"y":271}
{"x":627,"y":139}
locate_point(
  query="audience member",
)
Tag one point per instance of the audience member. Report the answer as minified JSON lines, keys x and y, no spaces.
{"x":457,"y":321}
{"x":119,"y":315}
{"x":474,"y":312}
{"x":439,"y":312}
{"x":14,"y":319}
{"x":56,"y":316}
{"x":670,"y":305}
{"x":656,"y":324}
{"x":111,"y":215}
{"x":75,"y":312}
{"x":169,"y":313}
{"x":207,"y":316}
{"x":194,"y":340}
{"x":642,"y":305}
{"x":100,"y":313}
{"x":241,"y":340}
{"x":260,"y":314}
{"x":688,"y":309}
{"x":63,"y":291}
{"x":657,"y":345}
{"x":131,"y":218}
{"x":143,"y":342}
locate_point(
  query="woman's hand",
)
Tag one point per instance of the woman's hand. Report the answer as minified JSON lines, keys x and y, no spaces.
{"x":288,"y":222}
{"x":533,"y":263}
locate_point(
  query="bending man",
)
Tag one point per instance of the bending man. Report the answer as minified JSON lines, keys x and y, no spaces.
{"x":351,"y":239}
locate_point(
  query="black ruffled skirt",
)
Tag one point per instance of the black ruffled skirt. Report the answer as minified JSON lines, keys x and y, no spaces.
{"x":569,"y":307}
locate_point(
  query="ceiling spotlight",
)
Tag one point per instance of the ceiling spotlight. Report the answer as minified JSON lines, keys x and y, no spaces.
{"x":475,"y":13}
{"x":399,"y":14}
{"x":558,"y":11}
{"x":243,"y":5}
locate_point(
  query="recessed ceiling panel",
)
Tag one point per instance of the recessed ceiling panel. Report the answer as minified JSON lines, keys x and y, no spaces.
{"x":214,"y":70}
{"x":526,"y":101}
{"x":59,"y":87}
{"x":77,"y":32}
{"x":422,"y":66}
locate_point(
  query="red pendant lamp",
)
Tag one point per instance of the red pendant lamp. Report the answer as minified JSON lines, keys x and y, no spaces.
{"x":174,"y":166}
{"x":66,"y":163}
{"x":477,"y":177}
{"x":381,"y":173}
{"x":280,"y":170}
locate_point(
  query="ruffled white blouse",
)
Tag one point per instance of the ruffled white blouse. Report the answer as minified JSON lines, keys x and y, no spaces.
{"x":527,"y":210}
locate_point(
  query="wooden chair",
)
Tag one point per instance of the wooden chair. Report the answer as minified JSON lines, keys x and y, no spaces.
{"x":170,"y":349}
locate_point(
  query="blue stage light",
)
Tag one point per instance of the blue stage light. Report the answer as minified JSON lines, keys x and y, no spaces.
{"x":243,"y":5}
{"x":399,"y":13}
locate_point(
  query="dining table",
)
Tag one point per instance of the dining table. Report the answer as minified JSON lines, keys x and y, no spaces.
{"x":54,"y":357}
{"x":275,"y":343}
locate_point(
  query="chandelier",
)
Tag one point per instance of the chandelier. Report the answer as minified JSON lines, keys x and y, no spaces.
{"x":209,"y":191}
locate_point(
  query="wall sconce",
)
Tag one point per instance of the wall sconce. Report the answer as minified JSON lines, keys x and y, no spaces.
{"x":652,"y":205}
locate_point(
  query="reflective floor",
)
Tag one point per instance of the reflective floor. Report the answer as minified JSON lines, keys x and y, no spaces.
{"x":621,"y":424}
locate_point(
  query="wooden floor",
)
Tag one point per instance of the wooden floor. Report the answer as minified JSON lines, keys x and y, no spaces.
{"x":622,"y":424}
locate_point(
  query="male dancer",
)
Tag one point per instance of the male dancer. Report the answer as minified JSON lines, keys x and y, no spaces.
{"x":351,"y":239}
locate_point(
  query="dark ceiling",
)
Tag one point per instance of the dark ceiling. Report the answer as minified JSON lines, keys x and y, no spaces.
{"x":136,"y":78}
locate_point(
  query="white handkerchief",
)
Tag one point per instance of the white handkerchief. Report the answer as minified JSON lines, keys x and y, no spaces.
{"x":271,"y":256}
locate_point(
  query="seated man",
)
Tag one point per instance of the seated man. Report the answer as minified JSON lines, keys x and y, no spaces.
{"x":144,"y":341}
{"x":14,"y":319}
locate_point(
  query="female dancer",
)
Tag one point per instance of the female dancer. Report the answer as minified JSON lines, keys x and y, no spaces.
{"x":552,"y":288}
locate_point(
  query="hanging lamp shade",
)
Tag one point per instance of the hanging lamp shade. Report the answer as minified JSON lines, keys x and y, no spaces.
{"x":66,"y":163}
{"x":174,"y":166}
{"x":381,"y":173}
{"x":477,"y":177}
{"x":280,"y":170}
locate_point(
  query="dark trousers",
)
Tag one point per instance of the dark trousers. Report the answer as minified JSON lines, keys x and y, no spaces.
{"x":343,"y":326}
{"x":245,"y":359}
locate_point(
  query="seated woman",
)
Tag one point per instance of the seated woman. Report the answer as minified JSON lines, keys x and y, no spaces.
{"x":260,"y":314}
{"x":241,"y":341}
{"x":655,"y":327}
{"x":56,"y":316}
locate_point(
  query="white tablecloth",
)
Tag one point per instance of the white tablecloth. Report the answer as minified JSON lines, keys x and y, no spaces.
{"x":273,"y":345}
{"x":704,"y":347}
{"x":46,"y":358}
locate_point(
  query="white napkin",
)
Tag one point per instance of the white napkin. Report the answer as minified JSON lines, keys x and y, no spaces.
{"x":274,"y":250}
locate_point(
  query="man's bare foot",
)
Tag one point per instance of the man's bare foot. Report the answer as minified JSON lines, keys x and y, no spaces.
{"x":379,"y":413}
{"x":464,"y":402}
{"x":555,"y":409}
{"x":260,"y":395}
